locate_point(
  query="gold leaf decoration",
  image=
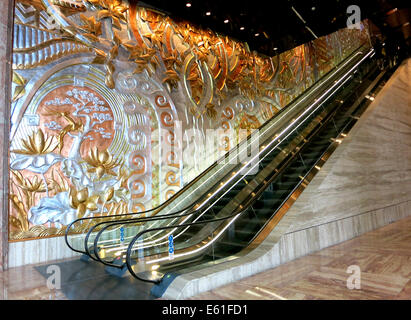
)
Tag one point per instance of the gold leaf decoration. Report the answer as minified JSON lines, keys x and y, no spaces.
{"x":103,"y":14}
{"x":108,"y":195}
{"x":109,"y":81}
{"x":210,"y":111}
{"x":34,"y":185}
{"x":113,"y":52}
{"x":113,"y":10}
{"x":13,"y":221}
{"x":18,"y":79}
{"x":102,"y":163}
{"x":100,"y":57}
{"x":22,"y":215}
{"x":91,"y":37}
{"x":37,"y":144}
{"x":117,"y":39}
{"x":90,"y":26}
{"x":20,"y":89}
{"x":81,"y":201}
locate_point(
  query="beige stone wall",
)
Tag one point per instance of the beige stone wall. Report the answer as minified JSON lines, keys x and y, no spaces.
{"x":6,"y":20}
{"x":371,"y":169}
{"x":364,"y":185}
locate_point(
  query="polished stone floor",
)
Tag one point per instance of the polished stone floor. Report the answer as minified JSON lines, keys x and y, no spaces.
{"x":78,"y":280}
{"x":383,"y":257}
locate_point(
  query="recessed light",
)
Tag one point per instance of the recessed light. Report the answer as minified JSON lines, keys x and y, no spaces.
{"x":242,"y":28}
{"x":208,"y":13}
{"x":257,"y":34}
{"x":226,"y":21}
{"x":275,"y":48}
{"x":188,"y":4}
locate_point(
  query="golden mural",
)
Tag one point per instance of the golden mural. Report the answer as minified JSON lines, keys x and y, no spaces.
{"x":104,"y":93}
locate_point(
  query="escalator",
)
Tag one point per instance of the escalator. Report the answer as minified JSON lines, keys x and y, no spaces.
{"x":80,"y":234}
{"x":229,"y":209}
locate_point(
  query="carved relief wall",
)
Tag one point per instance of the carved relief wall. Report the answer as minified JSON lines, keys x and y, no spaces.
{"x":104,"y":92}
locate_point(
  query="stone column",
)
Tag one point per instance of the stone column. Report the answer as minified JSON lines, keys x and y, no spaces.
{"x":6,"y":33}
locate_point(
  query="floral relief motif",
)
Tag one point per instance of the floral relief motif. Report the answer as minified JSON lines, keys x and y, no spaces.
{"x":36,"y":154}
{"x":68,"y":163}
{"x":70,"y":183}
{"x":101,"y":163}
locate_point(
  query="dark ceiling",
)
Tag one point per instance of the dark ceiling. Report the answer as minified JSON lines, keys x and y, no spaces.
{"x":270,"y":27}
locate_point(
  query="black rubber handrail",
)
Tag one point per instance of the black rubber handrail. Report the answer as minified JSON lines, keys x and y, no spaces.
{"x":175,"y":196}
{"x":237,"y":212}
{"x":184,"y":188}
{"x":174,"y":226}
{"x":121,"y":223}
{"x":133,"y":221}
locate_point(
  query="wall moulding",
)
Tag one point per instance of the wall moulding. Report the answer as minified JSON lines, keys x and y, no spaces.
{"x":6,"y":38}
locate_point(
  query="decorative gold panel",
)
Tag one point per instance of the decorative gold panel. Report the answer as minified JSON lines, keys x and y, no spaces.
{"x":105,"y":92}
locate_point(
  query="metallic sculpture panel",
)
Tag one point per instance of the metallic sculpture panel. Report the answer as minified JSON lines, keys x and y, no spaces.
{"x":105,"y":92}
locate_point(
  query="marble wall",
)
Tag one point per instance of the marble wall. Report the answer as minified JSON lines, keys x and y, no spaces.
{"x":277,"y":250}
{"x":6,"y":20}
{"x":370,"y":170}
{"x":23,"y":253}
{"x":363,"y":186}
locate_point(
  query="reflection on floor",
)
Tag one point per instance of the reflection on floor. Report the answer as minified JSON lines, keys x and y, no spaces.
{"x":79,"y":280}
{"x":383,"y":256}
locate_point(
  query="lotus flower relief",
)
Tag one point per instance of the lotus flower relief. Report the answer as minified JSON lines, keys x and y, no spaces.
{"x":34,"y":185}
{"x":64,"y":207}
{"x":56,"y":209}
{"x":36,"y":154}
{"x":102,"y":163}
{"x":81,"y":201}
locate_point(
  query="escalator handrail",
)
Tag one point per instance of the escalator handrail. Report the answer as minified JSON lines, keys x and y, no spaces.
{"x":168,"y":201}
{"x":129,"y":249}
{"x":137,"y":219}
{"x":175,"y":196}
{"x":178,"y":193}
{"x":131,"y":221}
{"x":236,"y":213}
{"x":303,"y":120}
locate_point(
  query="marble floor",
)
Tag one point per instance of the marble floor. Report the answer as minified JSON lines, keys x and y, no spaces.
{"x":383,"y":257}
{"x":77,"y":280}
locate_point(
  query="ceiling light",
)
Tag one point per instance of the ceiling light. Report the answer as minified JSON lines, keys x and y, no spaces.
{"x":208,"y":13}
{"x":188,"y":4}
{"x":226,"y":21}
{"x":275,"y":48}
{"x":257,"y":34}
{"x":242,"y":28}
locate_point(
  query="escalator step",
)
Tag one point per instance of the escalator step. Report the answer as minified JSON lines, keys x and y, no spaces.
{"x":314,"y":148}
{"x":294,"y":174}
{"x":285,"y":185}
{"x":217,"y":208}
{"x":227,"y":244}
